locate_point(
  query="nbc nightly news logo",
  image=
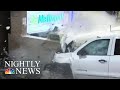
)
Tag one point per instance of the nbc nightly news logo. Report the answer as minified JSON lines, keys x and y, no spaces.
{"x":22,"y":67}
{"x":9,"y":71}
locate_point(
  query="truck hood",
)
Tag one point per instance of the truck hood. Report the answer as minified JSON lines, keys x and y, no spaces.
{"x":62,"y":58}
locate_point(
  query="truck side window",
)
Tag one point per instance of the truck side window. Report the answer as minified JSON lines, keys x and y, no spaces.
{"x":97,"y":47}
{"x":117,"y":47}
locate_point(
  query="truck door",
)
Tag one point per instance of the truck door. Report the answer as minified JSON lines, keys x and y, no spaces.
{"x":114,"y":64}
{"x":91,"y":62}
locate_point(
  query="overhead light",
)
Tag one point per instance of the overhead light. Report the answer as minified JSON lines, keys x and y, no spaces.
{"x":8,"y":27}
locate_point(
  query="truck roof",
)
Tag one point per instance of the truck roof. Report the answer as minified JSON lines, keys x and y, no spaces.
{"x":107,"y":37}
{"x":115,"y":28}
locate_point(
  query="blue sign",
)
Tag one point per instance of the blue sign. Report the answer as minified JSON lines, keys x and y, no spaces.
{"x":50,"y":18}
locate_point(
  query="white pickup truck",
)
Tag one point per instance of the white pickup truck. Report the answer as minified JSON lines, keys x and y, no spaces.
{"x":98,"y":58}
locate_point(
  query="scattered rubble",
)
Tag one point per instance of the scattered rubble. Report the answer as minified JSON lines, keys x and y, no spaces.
{"x":57,"y":71}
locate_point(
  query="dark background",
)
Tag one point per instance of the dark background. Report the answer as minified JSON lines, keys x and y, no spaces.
{"x":4,"y":21}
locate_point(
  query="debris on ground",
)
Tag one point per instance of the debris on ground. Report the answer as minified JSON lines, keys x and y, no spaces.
{"x":57,"y":71}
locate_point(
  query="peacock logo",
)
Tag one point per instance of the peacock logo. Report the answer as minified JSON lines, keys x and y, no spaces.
{"x":9,"y":71}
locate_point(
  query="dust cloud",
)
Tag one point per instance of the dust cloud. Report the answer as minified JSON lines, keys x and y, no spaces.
{"x":90,"y":21}
{"x":86,"y":25}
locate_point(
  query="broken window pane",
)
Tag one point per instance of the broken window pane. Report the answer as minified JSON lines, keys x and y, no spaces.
{"x":44,"y":23}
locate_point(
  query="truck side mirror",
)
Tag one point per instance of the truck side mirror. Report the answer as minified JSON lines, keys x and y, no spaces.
{"x":82,"y":54}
